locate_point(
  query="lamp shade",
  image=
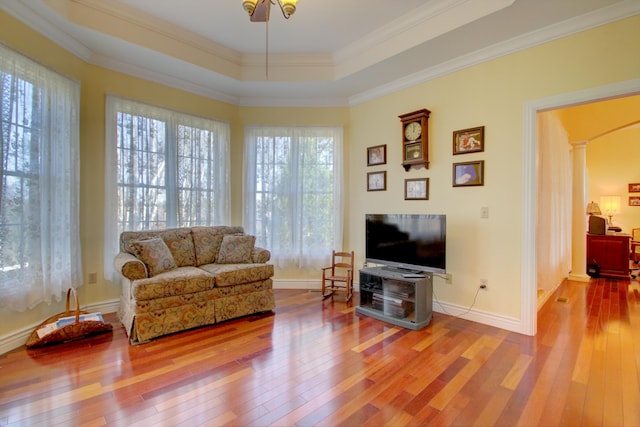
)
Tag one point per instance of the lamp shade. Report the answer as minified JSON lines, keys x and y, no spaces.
{"x":593,"y":209}
{"x":610,"y":205}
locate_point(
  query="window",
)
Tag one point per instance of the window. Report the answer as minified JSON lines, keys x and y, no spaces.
{"x":293,"y":192}
{"x":164,"y":169}
{"x":40,"y":254}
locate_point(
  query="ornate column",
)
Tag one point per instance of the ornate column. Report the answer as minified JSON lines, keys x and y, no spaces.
{"x":579,"y":213}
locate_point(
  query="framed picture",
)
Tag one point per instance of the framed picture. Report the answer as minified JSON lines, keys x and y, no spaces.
{"x":634,"y":188}
{"x":468,"y":174}
{"x":377,"y":181}
{"x":634,"y":201}
{"x":416,"y":189}
{"x":468,"y":140}
{"x":377,"y":155}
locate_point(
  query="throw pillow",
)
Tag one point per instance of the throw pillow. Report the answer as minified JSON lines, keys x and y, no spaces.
{"x":236,"y":249}
{"x":207,"y":242}
{"x":154,"y":253}
{"x":180,"y":244}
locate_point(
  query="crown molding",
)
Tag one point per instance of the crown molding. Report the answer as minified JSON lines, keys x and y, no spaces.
{"x":163,"y":79}
{"x":425,"y":23}
{"x":24,"y":13}
{"x":571,"y":26}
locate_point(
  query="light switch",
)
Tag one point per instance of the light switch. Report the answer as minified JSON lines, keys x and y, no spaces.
{"x":484,"y":212}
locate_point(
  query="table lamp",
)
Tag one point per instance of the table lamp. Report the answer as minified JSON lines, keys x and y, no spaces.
{"x":610,"y":206}
{"x":593,"y":209}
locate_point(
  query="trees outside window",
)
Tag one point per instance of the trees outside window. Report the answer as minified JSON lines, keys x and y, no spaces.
{"x":164,"y":169}
{"x":40,"y":255}
{"x":293,"y":192}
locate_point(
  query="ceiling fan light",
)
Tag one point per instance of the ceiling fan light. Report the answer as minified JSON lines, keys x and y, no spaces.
{"x":249,"y":6}
{"x":288,"y":7}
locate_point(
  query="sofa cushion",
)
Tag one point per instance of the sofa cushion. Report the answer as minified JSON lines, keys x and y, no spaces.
{"x":236,"y":274}
{"x":154,"y":253}
{"x":236,"y":249}
{"x":179,"y":281}
{"x":207,"y":241}
{"x":180,"y":244}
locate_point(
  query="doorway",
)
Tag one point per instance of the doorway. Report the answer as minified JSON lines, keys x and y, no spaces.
{"x":529,"y":184}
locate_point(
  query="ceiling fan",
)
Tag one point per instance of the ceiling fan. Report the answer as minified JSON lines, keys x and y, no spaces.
{"x":259,"y":10}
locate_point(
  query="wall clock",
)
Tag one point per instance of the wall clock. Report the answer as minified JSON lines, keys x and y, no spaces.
{"x":415,"y":139}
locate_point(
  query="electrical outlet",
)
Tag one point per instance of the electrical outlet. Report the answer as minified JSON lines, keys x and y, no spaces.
{"x":448,"y":278}
{"x":484,"y":283}
{"x":93,"y":278}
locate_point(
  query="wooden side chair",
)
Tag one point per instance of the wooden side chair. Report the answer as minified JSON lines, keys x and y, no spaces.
{"x":338,"y":277}
{"x":635,"y":245}
{"x":634,"y":253}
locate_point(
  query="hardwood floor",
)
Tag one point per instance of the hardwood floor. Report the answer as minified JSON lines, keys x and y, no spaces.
{"x":315,"y":363}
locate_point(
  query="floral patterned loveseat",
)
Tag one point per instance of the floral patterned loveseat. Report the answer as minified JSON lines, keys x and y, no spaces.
{"x":181,"y":278}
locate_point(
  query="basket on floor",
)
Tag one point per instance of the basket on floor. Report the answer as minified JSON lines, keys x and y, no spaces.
{"x":77,"y":328}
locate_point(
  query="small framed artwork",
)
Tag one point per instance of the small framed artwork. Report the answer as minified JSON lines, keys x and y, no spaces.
{"x":377,"y":181}
{"x":377,"y":155}
{"x":634,"y":188}
{"x":468,"y":174}
{"x":416,"y":189}
{"x":634,"y":201}
{"x":468,"y":140}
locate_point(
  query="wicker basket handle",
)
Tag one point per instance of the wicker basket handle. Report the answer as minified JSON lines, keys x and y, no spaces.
{"x":75,"y":296}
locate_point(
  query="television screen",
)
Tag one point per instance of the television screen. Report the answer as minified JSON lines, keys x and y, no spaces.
{"x":415,"y":242}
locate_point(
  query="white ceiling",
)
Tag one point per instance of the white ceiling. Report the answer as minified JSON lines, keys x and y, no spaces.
{"x":330,"y":53}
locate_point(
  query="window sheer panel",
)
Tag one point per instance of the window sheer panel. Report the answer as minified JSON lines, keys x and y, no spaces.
{"x":164,"y":169}
{"x":40,"y":253}
{"x":293,"y":192}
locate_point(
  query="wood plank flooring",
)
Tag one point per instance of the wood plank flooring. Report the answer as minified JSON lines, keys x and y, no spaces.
{"x":315,"y":363}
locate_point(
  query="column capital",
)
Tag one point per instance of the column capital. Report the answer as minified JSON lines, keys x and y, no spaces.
{"x":582,"y":143}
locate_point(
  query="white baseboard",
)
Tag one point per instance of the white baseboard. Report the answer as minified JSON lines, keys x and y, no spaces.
{"x":499,"y":321}
{"x":484,"y":317}
{"x":18,"y":337}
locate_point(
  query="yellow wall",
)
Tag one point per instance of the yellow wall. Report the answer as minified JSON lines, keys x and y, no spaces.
{"x":613,"y":157}
{"x":613,"y":162}
{"x":491,"y":94}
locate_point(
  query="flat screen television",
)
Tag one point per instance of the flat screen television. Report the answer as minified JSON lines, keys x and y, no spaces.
{"x":414,"y":242}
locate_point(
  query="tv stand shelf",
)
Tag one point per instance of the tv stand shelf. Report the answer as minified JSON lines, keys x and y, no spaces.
{"x":388,"y":296}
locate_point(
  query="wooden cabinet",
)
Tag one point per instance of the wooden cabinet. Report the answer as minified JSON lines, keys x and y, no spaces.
{"x":388,"y":296}
{"x":611,"y":253}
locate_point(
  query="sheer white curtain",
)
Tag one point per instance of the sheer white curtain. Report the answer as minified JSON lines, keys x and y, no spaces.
{"x":293,"y":192}
{"x":40,"y":255}
{"x":163,"y":169}
{"x":554,"y":202}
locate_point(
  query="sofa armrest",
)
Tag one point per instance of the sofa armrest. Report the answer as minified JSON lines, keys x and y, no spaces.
{"x":260,"y":255}
{"x":130,"y":266}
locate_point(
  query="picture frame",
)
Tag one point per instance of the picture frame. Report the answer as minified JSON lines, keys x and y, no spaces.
{"x":377,"y":181}
{"x":416,"y":189}
{"x":468,"y":174}
{"x":468,"y":140}
{"x":377,"y":155}
{"x":634,"y":200}
{"x":634,"y":187}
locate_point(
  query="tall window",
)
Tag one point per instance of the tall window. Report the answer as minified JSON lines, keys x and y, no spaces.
{"x":164,"y":169}
{"x":293,"y":192}
{"x":40,"y":254}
